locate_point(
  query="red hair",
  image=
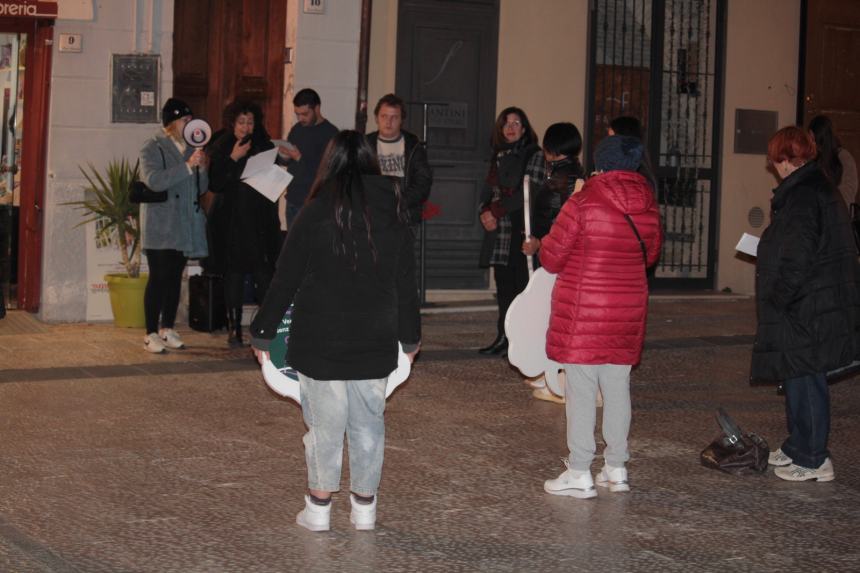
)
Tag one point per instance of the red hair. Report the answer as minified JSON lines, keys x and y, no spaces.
{"x":792,"y":144}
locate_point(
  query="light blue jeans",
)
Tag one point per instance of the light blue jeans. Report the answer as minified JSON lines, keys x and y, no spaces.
{"x":580,"y":393}
{"x":331,"y":408}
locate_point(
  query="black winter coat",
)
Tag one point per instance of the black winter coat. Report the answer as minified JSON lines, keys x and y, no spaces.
{"x":418,"y":178}
{"x":806,"y":282}
{"x":509,"y":171}
{"x":346,"y":322}
{"x":244,"y":229}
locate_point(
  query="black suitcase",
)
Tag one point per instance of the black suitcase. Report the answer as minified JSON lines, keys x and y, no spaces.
{"x":206,"y":309}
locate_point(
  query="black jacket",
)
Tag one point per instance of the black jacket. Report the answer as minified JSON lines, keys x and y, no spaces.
{"x":508,"y":174}
{"x":549,"y":196}
{"x":806,"y":282}
{"x":418,"y":177}
{"x":244,"y":229}
{"x":346,"y":322}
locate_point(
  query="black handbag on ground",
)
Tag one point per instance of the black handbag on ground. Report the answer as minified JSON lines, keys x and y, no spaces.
{"x":206,"y":309}
{"x":734,"y":451}
{"x":138,"y":192}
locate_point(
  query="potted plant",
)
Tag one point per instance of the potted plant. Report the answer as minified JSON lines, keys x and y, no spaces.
{"x":108,"y":205}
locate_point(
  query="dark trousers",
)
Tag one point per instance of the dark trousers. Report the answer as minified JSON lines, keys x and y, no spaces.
{"x":511,"y":280}
{"x":234,"y":286}
{"x":161,"y":297}
{"x":807,"y":412}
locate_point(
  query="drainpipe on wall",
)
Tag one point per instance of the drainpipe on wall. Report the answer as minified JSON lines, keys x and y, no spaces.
{"x":363,"y":65}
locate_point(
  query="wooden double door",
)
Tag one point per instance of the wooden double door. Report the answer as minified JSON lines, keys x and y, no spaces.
{"x":831,"y":70}
{"x":230,"y":49}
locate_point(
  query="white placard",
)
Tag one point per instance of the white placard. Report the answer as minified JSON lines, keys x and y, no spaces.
{"x":748,"y":244}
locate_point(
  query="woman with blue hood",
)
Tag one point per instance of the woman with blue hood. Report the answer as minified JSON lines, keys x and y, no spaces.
{"x":600,"y":245}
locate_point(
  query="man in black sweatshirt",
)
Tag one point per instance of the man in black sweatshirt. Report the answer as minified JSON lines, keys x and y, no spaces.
{"x":309,"y":138}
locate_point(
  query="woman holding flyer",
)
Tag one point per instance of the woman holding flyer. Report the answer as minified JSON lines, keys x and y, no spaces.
{"x":244,"y":226}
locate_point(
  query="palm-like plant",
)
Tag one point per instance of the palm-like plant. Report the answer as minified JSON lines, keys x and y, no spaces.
{"x":107,"y":202}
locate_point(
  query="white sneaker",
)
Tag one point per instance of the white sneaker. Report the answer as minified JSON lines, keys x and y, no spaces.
{"x":363,"y":515}
{"x":613,"y":478}
{"x":315,"y":517}
{"x":171,"y":338}
{"x":545,"y":394}
{"x":794,"y":472}
{"x":778,"y":458}
{"x":539,"y":382}
{"x":153,"y":343}
{"x":571,"y":482}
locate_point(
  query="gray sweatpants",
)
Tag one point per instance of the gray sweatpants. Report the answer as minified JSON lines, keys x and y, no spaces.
{"x":580,"y":390}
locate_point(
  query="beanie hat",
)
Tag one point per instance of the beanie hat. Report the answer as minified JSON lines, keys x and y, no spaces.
{"x":618,"y":153}
{"x":174,"y":109}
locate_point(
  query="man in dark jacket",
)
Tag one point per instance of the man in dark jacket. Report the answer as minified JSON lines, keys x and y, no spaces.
{"x":401,"y":155}
{"x":308,"y":140}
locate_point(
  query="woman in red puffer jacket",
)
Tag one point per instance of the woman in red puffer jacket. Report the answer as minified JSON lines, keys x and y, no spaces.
{"x":600,"y":245}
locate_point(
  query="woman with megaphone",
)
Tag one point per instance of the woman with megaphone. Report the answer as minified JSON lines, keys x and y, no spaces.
{"x":173,"y":227}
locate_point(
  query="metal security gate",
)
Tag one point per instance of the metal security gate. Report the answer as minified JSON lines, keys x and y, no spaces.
{"x":661,"y":61}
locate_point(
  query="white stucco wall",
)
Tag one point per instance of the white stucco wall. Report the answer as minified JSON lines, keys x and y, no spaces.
{"x":80,"y":131}
{"x":326,"y":58}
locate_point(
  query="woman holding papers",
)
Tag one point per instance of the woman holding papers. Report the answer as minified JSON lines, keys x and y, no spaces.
{"x":806,"y":302}
{"x":244,"y":226}
{"x":347,"y":268}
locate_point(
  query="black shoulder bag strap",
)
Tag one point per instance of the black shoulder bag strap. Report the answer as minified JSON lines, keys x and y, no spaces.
{"x":638,"y":238}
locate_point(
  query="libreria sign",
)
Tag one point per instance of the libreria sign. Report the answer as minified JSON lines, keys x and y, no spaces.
{"x":28,"y":8}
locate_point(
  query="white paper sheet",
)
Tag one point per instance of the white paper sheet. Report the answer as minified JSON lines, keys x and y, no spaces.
{"x":748,"y":244}
{"x":270,"y":183}
{"x":262,"y":174}
{"x":259,"y":163}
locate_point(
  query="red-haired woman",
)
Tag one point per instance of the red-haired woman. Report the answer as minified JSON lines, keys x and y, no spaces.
{"x":807,"y":302}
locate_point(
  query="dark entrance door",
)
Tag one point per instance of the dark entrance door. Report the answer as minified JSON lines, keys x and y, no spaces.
{"x":661,"y":61}
{"x":830,"y":79}
{"x":446,"y":54}
{"x":229,"y":49}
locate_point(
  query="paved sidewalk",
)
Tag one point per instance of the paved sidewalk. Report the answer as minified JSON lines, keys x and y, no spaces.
{"x":115,"y":460}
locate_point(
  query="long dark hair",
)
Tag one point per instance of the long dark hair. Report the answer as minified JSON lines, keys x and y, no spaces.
{"x":828,"y":148}
{"x":498,"y":141}
{"x":347,"y":157}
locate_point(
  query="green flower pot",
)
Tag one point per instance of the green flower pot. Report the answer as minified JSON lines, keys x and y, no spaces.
{"x":126,"y":299}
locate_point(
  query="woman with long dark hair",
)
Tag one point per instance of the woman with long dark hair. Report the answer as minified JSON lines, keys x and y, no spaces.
{"x":347,"y":268}
{"x":514,"y":142}
{"x":244,"y":226}
{"x":838,"y":165}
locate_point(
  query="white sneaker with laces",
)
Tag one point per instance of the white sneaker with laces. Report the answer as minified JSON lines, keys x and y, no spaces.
{"x":153,"y":343}
{"x":571,"y":482}
{"x":363,"y":515}
{"x":613,"y":478}
{"x":795,"y":472}
{"x":315,"y":517}
{"x":539,"y":382}
{"x":171,"y":338}
{"x":778,"y":458}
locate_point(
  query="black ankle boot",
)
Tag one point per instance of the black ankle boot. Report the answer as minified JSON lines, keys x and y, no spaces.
{"x":234,"y":324}
{"x":499,"y":345}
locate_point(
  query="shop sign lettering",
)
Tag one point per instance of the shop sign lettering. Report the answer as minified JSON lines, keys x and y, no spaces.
{"x":28,"y":8}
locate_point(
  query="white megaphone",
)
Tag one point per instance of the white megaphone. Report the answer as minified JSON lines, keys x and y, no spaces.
{"x":197,"y":133}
